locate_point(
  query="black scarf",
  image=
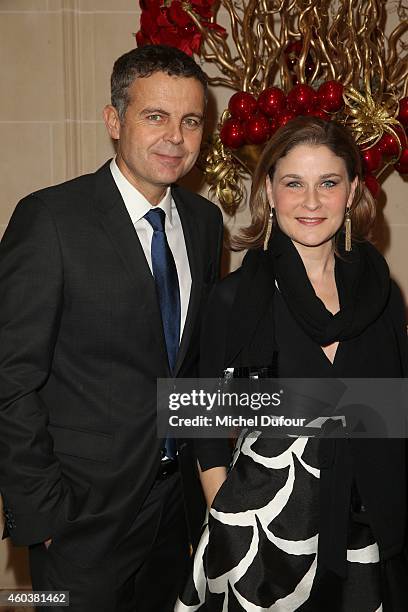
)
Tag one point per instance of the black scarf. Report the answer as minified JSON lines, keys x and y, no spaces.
{"x":362,"y":279}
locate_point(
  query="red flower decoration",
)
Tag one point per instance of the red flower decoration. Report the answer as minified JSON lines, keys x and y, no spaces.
{"x":167,"y":23}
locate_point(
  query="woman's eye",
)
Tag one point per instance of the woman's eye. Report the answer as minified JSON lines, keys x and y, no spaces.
{"x":329,"y":184}
{"x":293,"y":184}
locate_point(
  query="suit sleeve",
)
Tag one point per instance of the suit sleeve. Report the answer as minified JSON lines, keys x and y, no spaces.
{"x":31,"y":281}
{"x":215,"y":452}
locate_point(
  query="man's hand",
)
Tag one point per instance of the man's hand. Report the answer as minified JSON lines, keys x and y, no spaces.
{"x":47,"y":543}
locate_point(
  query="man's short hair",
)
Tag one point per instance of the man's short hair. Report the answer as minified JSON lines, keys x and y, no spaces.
{"x":145,"y":61}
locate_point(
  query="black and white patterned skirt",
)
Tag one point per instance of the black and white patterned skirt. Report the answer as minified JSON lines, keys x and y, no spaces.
{"x":258,"y":551}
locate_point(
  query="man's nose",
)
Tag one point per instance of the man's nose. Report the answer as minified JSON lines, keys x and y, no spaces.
{"x":174,"y":133}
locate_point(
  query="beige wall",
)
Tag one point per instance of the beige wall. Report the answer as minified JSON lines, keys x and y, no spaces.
{"x":56,"y":61}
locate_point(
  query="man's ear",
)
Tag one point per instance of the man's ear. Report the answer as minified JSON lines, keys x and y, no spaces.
{"x":112,"y":121}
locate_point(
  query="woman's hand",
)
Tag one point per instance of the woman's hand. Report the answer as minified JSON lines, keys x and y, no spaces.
{"x":211,"y":481}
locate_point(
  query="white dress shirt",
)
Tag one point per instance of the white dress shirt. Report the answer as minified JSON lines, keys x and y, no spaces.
{"x":137,"y":206}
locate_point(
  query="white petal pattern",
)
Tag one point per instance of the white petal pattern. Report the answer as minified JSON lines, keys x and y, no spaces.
{"x":265,"y":516}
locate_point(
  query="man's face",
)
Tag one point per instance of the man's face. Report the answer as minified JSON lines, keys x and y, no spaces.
{"x":159,"y":138}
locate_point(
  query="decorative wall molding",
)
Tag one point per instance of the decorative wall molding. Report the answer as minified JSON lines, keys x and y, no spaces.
{"x":72,"y":58}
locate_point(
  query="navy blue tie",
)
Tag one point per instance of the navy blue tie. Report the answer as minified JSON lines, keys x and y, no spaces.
{"x":168,"y":293}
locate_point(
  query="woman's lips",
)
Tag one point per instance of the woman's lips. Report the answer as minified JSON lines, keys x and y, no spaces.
{"x":310,"y":221}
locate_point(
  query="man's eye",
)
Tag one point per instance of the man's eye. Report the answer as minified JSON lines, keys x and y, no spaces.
{"x":192,"y":122}
{"x":155,"y":117}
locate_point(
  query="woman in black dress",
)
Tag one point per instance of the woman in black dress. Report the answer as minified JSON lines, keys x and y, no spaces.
{"x":303,"y":523}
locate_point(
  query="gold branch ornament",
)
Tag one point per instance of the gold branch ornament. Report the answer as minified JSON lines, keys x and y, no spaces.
{"x":284,"y":58}
{"x":223,"y":173}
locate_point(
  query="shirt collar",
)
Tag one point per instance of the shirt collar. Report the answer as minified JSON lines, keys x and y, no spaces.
{"x":136,"y":204}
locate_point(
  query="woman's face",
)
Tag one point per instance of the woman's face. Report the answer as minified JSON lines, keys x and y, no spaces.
{"x":310,"y":191}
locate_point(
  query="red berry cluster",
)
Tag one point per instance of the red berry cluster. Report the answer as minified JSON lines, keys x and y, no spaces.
{"x":254,"y":121}
{"x":387,"y":147}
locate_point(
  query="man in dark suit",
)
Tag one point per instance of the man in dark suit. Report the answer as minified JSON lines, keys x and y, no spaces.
{"x":102,"y":280}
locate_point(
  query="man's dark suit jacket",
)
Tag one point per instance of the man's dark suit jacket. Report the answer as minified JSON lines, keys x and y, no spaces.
{"x":81,"y":347}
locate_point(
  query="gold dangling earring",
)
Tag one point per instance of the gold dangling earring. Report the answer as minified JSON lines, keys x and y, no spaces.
{"x":347,"y":223}
{"x":268,"y":230}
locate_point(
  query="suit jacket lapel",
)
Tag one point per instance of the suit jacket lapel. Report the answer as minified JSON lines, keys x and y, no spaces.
{"x":116,"y":222}
{"x":192,"y":239}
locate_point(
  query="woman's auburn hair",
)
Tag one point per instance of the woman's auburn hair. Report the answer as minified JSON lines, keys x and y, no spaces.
{"x":315,"y":132}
